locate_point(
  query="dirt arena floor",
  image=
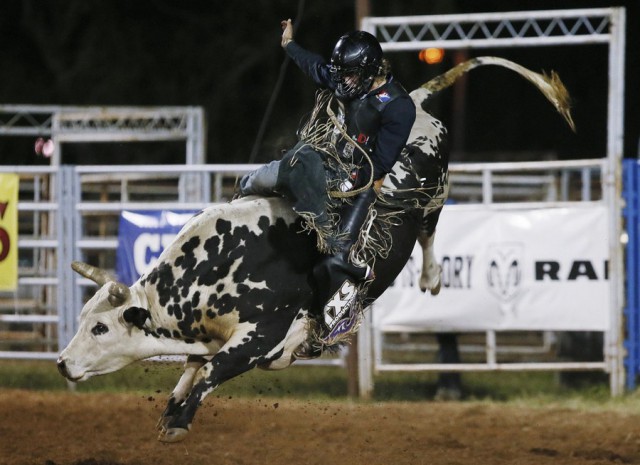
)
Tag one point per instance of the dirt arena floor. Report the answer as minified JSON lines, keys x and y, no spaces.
{"x":44,"y":428}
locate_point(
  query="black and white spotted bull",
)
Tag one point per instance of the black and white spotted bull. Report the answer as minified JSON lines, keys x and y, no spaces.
{"x":234,"y":290}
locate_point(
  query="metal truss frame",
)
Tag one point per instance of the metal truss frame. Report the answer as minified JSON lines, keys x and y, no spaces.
{"x":522,"y":28}
{"x":107,"y":124}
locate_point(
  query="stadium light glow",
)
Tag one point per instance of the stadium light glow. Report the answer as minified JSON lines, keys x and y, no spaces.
{"x":431,"y":56}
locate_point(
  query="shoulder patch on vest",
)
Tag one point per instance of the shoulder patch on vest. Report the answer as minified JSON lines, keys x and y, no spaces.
{"x":383,"y":96}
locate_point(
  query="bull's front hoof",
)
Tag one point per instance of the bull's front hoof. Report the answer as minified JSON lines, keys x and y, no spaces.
{"x":163,"y":423}
{"x":173,"y":434}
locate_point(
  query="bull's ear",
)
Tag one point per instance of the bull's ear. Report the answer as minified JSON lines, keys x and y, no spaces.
{"x":136,"y":316}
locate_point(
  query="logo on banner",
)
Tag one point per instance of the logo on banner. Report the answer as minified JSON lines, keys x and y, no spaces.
{"x":504,"y":270}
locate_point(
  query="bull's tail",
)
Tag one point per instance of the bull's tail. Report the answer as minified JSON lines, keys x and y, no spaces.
{"x":550,"y":86}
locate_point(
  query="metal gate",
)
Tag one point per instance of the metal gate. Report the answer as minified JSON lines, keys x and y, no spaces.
{"x":527,"y":29}
{"x":39,"y":316}
{"x":29,"y":316}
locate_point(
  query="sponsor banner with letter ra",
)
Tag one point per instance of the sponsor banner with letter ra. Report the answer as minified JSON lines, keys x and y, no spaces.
{"x":544,"y":269}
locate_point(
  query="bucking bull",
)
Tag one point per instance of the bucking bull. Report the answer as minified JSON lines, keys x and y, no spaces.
{"x":234,"y":289}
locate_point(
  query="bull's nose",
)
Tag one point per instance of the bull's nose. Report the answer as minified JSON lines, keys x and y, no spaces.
{"x":62,"y":367}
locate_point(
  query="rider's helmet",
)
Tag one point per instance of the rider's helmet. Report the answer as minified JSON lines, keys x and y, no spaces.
{"x":356,"y":60}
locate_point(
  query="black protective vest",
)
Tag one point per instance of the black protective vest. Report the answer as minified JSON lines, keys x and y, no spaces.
{"x":363,"y":115}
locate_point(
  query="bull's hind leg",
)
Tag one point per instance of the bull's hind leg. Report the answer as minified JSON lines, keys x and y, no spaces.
{"x":182,"y":389}
{"x":430,"y":278}
{"x":431,"y":271}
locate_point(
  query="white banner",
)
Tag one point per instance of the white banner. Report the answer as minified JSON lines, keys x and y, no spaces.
{"x":541,"y":269}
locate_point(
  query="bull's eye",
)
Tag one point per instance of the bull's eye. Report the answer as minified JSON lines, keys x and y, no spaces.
{"x":99,"y":328}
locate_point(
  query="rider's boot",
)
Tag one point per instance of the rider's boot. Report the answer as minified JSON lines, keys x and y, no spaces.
{"x":337,"y":278}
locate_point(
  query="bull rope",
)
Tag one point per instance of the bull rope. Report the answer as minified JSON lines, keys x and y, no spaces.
{"x":322,"y":135}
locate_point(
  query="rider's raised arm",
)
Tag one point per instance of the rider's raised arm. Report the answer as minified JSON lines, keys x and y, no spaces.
{"x":312,"y":64}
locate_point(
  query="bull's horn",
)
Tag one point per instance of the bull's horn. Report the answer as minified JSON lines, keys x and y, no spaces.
{"x":96,"y":275}
{"x":118,"y":294}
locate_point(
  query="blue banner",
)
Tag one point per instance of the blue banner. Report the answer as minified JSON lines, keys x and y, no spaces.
{"x":142,"y":236}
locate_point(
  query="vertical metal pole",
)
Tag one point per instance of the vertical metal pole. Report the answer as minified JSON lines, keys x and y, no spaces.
{"x":66,"y":242}
{"x":75,"y":219}
{"x":56,"y":157}
{"x":53,"y":263}
{"x":205,"y":185}
{"x":491,"y":348}
{"x":377,"y":336}
{"x":124,"y":190}
{"x":586,"y":184}
{"x":564,"y":185}
{"x":614,"y":353}
{"x":195,"y":136}
{"x":552,"y":190}
{"x":351,"y":360}
{"x":365,"y":356}
{"x":217,"y":187}
{"x":487,"y":188}
{"x":198,"y":187}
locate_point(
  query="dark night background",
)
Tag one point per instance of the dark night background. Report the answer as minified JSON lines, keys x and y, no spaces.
{"x":226,"y":56}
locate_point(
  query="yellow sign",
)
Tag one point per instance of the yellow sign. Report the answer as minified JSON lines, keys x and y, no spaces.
{"x":9,"y":231}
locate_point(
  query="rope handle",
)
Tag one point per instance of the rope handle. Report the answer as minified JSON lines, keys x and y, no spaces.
{"x":340,"y":194}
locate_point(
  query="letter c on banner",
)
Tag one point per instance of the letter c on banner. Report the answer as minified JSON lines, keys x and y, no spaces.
{"x":146,"y":242}
{"x":147,"y":248}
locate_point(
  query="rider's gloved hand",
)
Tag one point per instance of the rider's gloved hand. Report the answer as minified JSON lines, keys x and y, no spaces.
{"x":287,"y":32}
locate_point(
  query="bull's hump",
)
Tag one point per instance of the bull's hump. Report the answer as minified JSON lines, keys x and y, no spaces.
{"x":245,"y":212}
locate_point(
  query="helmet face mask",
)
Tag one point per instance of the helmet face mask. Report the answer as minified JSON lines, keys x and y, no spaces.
{"x":355,"y":62}
{"x":350,"y":82}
